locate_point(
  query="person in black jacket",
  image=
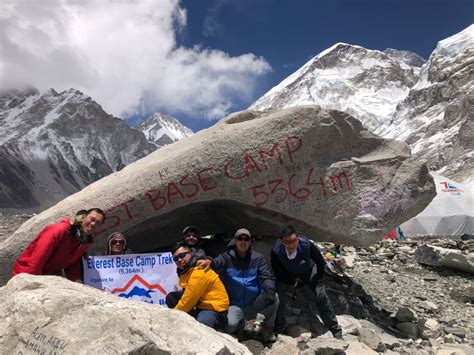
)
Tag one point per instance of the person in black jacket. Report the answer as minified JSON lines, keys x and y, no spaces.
{"x":297,"y":262}
{"x":192,"y":240}
{"x":248,"y":282}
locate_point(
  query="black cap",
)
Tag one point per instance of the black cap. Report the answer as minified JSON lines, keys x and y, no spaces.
{"x":190,"y":229}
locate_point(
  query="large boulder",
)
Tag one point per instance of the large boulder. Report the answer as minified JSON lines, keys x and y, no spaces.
{"x":51,"y":315}
{"x":451,"y":258}
{"x":319,"y":170}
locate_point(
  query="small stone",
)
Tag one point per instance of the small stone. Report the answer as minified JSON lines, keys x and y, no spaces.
{"x":291,"y":320}
{"x":390,"y":341}
{"x":349,"y":324}
{"x":304,"y":337}
{"x":327,"y":346}
{"x":283,"y":348}
{"x":459,"y":332}
{"x":430,"y":306}
{"x":449,"y":339}
{"x":405,"y":314}
{"x":371,"y":339}
{"x":356,"y":348}
{"x":408,"y":330}
{"x":429,"y":328}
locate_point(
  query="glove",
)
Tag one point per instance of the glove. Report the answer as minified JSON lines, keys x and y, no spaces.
{"x":269,"y":298}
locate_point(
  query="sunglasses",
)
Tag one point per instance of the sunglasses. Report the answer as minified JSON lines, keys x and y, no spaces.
{"x":180,"y":256}
{"x":243,"y":239}
{"x":117,"y":242}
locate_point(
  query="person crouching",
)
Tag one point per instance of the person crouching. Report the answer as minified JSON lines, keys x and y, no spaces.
{"x":204,"y":296}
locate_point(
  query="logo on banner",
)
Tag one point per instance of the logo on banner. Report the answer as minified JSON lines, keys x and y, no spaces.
{"x":138,"y":287}
{"x":144,"y":277}
{"x":452,"y":189}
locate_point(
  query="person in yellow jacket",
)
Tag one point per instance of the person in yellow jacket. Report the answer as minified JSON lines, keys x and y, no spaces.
{"x":204,"y":296}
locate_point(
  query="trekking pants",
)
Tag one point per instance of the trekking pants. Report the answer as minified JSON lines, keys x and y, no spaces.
{"x":236,"y":314}
{"x":213,"y":319}
{"x":325,"y":308}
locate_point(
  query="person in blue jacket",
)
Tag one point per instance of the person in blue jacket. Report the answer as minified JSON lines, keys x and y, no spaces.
{"x":249,"y":284}
{"x":297,"y":262}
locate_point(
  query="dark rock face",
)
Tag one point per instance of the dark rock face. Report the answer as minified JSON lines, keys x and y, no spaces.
{"x":16,"y":180}
{"x":61,"y":143}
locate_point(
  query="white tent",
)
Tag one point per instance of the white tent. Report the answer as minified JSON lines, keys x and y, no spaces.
{"x":450,"y":213}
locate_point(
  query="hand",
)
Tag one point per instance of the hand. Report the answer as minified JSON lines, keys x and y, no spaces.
{"x":203,"y":264}
{"x":298,"y":283}
{"x":269,"y":298}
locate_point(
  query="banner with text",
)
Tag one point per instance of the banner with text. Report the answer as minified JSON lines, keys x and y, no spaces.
{"x":146,"y":277}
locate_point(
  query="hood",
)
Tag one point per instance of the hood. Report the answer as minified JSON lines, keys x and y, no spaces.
{"x":192,"y":263}
{"x":116,"y":235}
{"x":232,"y":252}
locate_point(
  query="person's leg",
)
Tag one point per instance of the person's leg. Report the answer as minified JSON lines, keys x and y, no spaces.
{"x":210,"y":318}
{"x":326,"y":310}
{"x":235,"y":319}
{"x":173,"y":298}
{"x":259,"y":306}
{"x":281,"y":289}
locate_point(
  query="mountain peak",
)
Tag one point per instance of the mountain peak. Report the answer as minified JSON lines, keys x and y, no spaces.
{"x":163,"y":129}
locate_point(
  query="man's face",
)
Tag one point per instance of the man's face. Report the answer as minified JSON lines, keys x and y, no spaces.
{"x":243,"y":243}
{"x":91,"y":223}
{"x":182,"y":257}
{"x":290,"y":243}
{"x":191,"y":239}
{"x":116,"y":246}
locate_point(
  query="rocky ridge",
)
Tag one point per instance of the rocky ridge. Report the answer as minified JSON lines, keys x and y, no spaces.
{"x":54,"y":144}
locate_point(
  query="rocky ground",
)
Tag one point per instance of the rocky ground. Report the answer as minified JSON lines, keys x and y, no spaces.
{"x":10,"y":223}
{"x":387,"y":303}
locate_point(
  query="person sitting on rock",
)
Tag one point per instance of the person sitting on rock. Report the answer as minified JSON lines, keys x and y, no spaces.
{"x":249,"y":284}
{"x":117,"y":244}
{"x":204,"y":296}
{"x":297,"y":262}
{"x":59,"y":247}
{"x":192,"y":240}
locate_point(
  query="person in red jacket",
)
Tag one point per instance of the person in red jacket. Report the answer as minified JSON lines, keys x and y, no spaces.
{"x":59,"y":247}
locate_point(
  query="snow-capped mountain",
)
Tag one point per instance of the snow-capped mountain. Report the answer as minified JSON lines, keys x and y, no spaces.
{"x":430,"y":105}
{"x":367,"y":84}
{"x":162,"y":129}
{"x":437,"y":116}
{"x":54,"y":144}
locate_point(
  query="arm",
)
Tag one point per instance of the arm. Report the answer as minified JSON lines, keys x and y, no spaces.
{"x":196,"y":286}
{"x":44,"y":248}
{"x":219,"y":264}
{"x":318,"y":259}
{"x":265,"y":277}
{"x":74,"y":271}
{"x":280,"y":273}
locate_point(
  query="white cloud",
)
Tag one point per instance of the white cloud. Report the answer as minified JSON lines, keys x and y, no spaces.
{"x":123,"y":53}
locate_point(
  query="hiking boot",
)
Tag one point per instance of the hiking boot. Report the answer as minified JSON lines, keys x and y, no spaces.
{"x":281,"y":329}
{"x":337,"y":333}
{"x":266,"y":332}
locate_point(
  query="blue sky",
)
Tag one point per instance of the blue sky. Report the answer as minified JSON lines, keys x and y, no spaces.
{"x":199,"y":60}
{"x":288,"y":33}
